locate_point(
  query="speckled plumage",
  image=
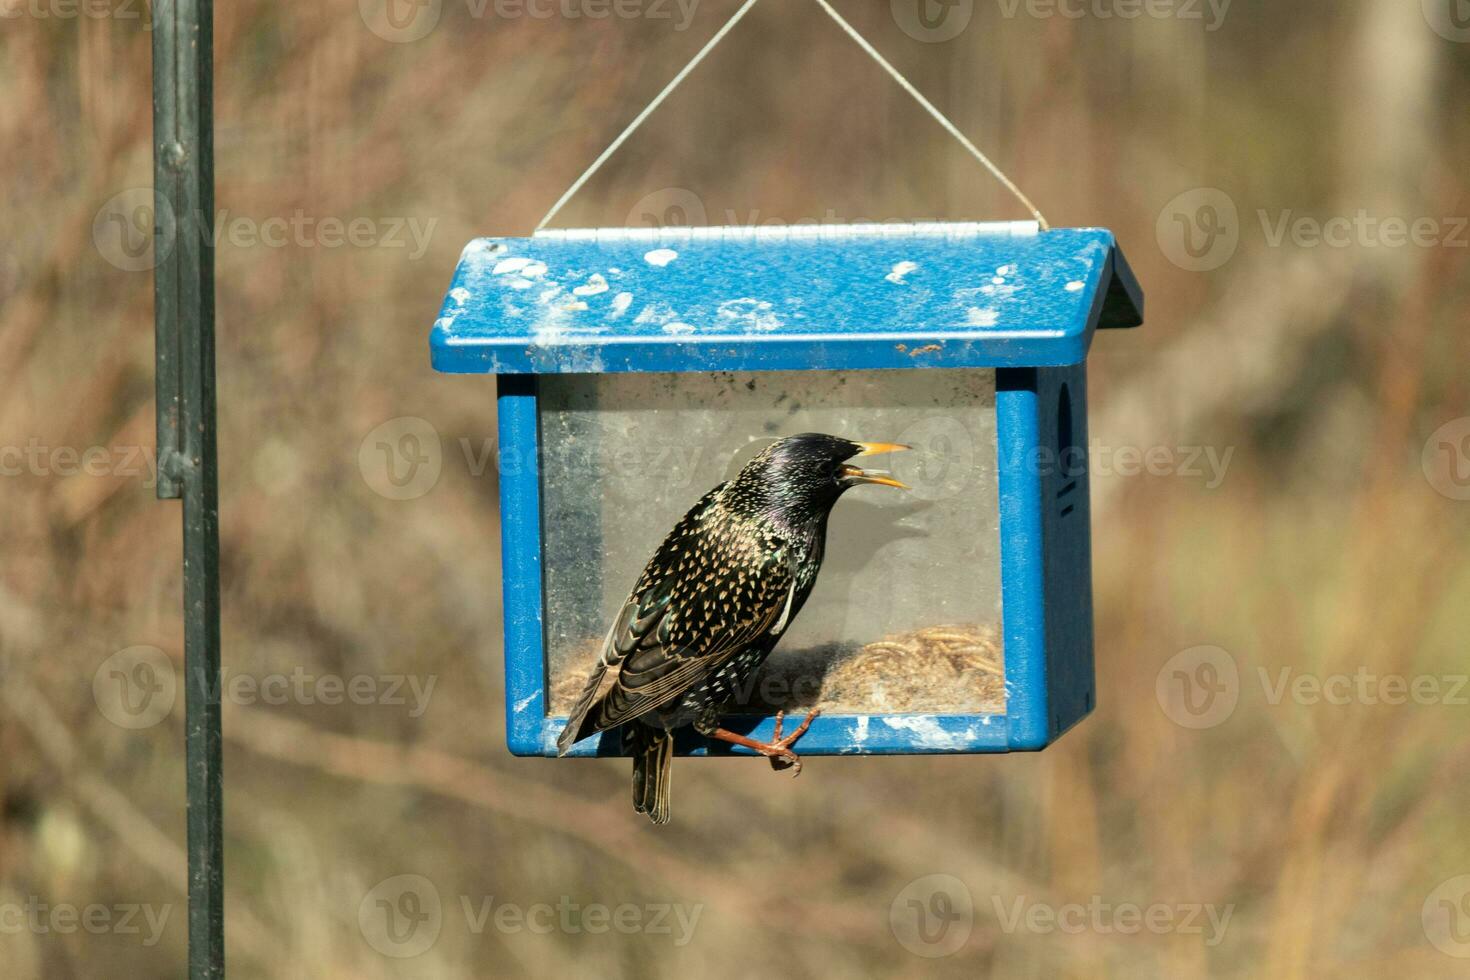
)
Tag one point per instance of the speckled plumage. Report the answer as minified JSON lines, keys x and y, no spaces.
{"x":711,"y":604}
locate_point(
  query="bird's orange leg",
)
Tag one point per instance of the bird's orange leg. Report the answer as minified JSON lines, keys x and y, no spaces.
{"x":778,"y":749}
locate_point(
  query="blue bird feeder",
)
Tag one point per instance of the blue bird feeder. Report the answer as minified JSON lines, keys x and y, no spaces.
{"x":638,"y":368}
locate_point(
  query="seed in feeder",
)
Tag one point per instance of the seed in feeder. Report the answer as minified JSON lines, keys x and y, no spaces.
{"x":675,"y":655}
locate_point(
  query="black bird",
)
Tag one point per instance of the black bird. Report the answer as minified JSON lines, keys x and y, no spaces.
{"x":712,"y":603}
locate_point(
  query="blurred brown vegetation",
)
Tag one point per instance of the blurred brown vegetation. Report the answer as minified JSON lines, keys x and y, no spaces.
{"x":1324,"y":549}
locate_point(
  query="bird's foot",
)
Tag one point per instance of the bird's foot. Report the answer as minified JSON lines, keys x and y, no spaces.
{"x":782,"y":757}
{"x":778,"y":750}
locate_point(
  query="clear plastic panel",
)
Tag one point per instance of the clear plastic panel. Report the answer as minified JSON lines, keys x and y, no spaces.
{"x":905,"y":616}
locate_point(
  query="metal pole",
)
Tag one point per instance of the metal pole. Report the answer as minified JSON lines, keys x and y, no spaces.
{"x":183,"y":181}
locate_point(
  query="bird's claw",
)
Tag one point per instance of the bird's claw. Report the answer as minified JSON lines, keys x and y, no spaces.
{"x":780,"y":752}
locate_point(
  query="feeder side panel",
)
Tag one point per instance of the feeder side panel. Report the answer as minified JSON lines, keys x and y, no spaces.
{"x":520,"y":540}
{"x":1067,"y":543}
{"x":1022,"y":568}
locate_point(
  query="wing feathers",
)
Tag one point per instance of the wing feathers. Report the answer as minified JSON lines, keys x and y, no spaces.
{"x":713,"y":588}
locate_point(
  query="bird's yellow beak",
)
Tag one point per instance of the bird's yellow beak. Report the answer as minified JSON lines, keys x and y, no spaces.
{"x":874,"y":448}
{"x":859,"y":475}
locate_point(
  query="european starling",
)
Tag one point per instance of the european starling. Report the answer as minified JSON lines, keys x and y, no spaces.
{"x":712,"y":603}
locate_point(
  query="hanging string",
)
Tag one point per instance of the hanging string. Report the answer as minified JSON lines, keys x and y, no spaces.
{"x":658,"y":100}
{"x":939,"y":117}
{"x":862,"y":42}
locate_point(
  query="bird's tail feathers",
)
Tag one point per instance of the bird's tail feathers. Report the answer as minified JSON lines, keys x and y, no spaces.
{"x":653,"y":757}
{"x":574,"y":733}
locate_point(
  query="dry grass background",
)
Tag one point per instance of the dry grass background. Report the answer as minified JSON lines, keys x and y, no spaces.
{"x":1324,"y":549}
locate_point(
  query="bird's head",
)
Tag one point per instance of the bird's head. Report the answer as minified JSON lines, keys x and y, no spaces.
{"x":800,"y":477}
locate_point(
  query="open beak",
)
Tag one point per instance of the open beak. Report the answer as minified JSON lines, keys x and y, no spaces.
{"x":856,"y":474}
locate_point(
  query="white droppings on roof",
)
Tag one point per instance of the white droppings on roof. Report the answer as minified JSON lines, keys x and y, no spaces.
{"x":519,"y":283}
{"x":660,"y":257}
{"x":529,"y":268}
{"x":525,"y":702}
{"x":1006,"y":270}
{"x":1074,"y":286}
{"x":444,"y":323}
{"x":998,"y":281}
{"x":901,"y":269}
{"x":547,"y":295}
{"x":574,"y":304}
{"x":751,"y":314}
{"x":659,"y":313}
{"x":676,"y":327}
{"x":976,"y":317}
{"x":549,"y":330}
{"x":460,"y":295}
{"x":595,"y":284}
{"x":479,"y":247}
{"x":620,"y":304}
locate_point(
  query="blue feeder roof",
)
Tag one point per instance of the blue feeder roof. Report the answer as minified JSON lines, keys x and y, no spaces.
{"x":797,"y":297}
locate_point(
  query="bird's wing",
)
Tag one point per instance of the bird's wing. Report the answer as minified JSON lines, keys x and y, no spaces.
{"x":641,"y":615}
{"x":703,"y":598}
